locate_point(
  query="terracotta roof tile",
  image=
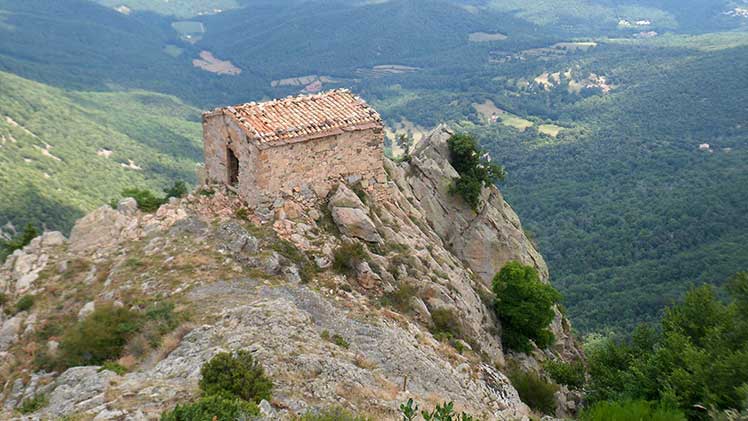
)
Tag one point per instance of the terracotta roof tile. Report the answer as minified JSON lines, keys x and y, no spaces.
{"x":305,"y":116}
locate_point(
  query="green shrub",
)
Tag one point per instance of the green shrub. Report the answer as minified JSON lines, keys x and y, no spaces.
{"x":347,"y":257}
{"x":7,"y":247}
{"x":400,"y":298}
{"x":114,"y":367}
{"x":534,"y":391}
{"x":335,"y":338}
{"x":524,"y":305}
{"x":237,"y":375}
{"x":99,"y":337}
{"x":287,"y":249}
{"x":24,"y":303}
{"x":33,"y":404}
{"x":474,"y":169}
{"x":443,"y":412}
{"x":3,"y":299}
{"x":445,"y":323}
{"x":331,"y":414}
{"x":147,"y":200}
{"x":630,"y":411}
{"x":213,"y":408}
{"x":178,"y":190}
{"x":569,"y":374}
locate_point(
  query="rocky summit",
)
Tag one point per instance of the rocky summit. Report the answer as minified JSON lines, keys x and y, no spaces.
{"x":336,"y":297}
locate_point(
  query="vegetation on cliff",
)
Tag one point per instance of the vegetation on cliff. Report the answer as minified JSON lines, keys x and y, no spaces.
{"x":524,"y":305}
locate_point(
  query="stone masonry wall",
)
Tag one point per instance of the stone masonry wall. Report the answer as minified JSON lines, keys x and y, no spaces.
{"x":320,"y":162}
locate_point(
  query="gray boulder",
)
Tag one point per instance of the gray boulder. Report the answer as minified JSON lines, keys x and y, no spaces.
{"x":354,"y":222}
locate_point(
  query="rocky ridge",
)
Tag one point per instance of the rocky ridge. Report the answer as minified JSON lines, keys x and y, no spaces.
{"x":262,"y":280}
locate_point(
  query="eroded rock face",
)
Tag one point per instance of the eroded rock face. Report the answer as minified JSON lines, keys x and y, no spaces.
{"x":485,"y":240}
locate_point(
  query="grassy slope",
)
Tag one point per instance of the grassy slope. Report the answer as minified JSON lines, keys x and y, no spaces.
{"x":158,"y":133}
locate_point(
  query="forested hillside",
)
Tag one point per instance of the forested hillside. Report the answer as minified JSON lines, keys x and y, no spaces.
{"x":66,"y":152}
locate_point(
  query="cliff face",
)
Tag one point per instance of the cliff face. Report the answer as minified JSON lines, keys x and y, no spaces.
{"x":247,"y":284}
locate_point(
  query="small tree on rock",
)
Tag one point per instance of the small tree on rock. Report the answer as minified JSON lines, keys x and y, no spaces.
{"x":524,"y":305}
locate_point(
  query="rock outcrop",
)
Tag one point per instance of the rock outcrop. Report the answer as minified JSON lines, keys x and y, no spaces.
{"x":271,"y":287}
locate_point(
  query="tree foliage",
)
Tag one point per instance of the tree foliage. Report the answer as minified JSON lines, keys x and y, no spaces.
{"x":7,"y":247}
{"x":475,"y":170}
{"x":698,"y":358}
{"x":524,"y":306}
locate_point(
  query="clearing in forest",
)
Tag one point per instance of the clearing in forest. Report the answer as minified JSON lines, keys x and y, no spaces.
{"x":211,"y":64}
{"x":486,"y":37}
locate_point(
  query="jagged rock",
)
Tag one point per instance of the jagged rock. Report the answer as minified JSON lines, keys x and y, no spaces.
{"x":87,"y":309}
{"x":237,"y":240}
{"x":266,"y":410}
{"x":366,"y":277}
{"x":100,"y":228}
{"x":107,"y":415}
{"x":345,"y":198}
{"x":52,"y":239}
{"x":322,"y":262}
{"x":127,"y":206}
{"x":9,"y":332}
{"x":354,"y":222}
{"x":78,"y":389}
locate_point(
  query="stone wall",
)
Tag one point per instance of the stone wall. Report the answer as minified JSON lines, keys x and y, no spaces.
{"x":270,"y":171}
{"x":320,"y":162}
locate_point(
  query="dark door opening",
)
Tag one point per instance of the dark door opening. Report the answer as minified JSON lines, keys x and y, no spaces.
{"x":232,"y":166}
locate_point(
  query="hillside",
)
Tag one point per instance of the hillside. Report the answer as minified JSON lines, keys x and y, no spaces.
{"x":627,"y":209}
{"x":65,"y":152}
{"x":334,"y":320}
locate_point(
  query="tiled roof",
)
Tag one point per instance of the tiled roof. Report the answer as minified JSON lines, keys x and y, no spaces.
{"x":305,"y":117}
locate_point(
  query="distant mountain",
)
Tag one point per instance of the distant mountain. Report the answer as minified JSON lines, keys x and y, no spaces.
{"x":65,"y":152}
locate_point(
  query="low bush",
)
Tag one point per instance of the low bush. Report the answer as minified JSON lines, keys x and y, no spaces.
{"x":33,"y":404}
{"x":400,"y":298}
{"x":569,"y":374}
{"x":307,"y":268}
{"x":446,"y":323}
{"x":178,"y":190}
{"x":335,"y":338}
{"x":524,"y":305}
{"x":146,"y":199}
{"x":347,"y":257}
{"x":331,"y":414}
{"x":100,"y":337}
{"x":630,"y":411}
{"x":534,"y":391}
{"x":213,"y":408}
{"x":443,"y":412}
{"x":235,"y":374}
{"x":114,"y":367}
{"x":24,"y":303}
